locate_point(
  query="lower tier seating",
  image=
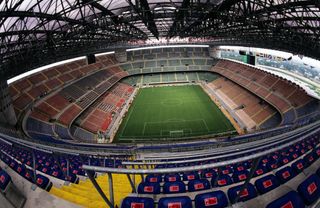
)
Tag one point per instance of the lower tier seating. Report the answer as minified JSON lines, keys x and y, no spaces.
{"x":290,"y":176}
{"x":99,"y":116}
{"x":253,"y":112}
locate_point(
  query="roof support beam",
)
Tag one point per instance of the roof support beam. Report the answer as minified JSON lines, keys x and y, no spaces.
{"x":212,"y":11}
{"x":115,"y":19}
{"x":179,"y":17}
{"x":141,"y":7}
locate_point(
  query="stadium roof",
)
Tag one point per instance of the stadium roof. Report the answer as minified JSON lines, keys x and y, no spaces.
{"x":38,"y":32}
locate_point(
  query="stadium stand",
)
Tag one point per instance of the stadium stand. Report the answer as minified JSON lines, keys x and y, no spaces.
{"x":80,"y":101}
{"x":65,"y":104}
{"x":100,"y":115}
{"x":224,"y":179}
{"x":81,"y":85}
{"x":282,"y":94}
{"x":165,"y":53}
{"x":250,"y":109}
{"x":77,"y":93}
{"x":278,"y":180}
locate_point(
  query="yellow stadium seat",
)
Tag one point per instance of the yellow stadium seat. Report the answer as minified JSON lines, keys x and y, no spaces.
{"x":86,"y":195}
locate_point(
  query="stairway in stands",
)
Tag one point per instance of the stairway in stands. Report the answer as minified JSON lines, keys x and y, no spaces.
{"x":84,"y":193}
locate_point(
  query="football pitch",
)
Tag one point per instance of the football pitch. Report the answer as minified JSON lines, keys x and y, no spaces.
{"x":171,"y":112}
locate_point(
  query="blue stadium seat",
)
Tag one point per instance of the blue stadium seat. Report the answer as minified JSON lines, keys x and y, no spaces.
{"x":190,"y":176}
{"x":4,"y":179}
{"x":289,"y":200}
{"x":317,"y":152}
{"x":160,"y":166}
{"x":261,"y":169}
{"x":309,"y":158}
{"x":309,"y":189}
{"x":264,"y":160}
{"x":43,"y":182}
{"x":45,"y":170}
{"x":13,"y":164}
{"x":285,"y":174}
{"x":239,"y":167}
{"x":246,"y":194}
{"x":247,"y":164}
{"x":153,"y":178}
{"x":318,"y":171}
{"x":175,"y":202}
{"x":209,"y":174}
{"x":294,"y":156}
{"x":222,"y":180}
{"x":198,"y":185}
{"x":275,"y":156}
{"x":285,"y":159}
{"x":171,"y":166}
{"x":298,"y":166}
{"x":21,"y":169}
{"x":216,"y":199}
{"x":266,"y":183}
{"x":272,"y":164}
{"x":73,"y":178}
{"x":174,"y":187}
{"x":226,"y":170}
{"x":149,"y":188}
{"x":301,"y":151}
{"x":137,"y":202}
{"x":238,"y":176}
{"x":172,"y":177}
{"x":29,"y":175}
{"x":57,"y":174}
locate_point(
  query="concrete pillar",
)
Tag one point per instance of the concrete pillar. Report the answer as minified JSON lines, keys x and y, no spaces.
{"x":214,"y":52}
{"x":91,"y":59}
{"x":121,"y":55}
{"x":7,"y":114}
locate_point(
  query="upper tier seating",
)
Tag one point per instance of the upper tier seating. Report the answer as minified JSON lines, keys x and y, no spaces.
{"x":63,"y":106}
{"x":170,"y":78}
{"x":167,"y":65}
{"x":165,"y":53}
{"x":26,"y":90}
{"x":282,"y":94}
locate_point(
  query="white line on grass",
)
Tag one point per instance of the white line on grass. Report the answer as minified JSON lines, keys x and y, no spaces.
{"x":144,"y":128}
{"x":131,"y":110}
{"x":205,"y":123}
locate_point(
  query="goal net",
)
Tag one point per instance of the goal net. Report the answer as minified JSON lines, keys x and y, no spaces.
{"x":176,"y":133}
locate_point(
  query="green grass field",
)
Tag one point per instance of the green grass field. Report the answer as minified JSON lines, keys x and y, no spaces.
{"x":171,"y":112}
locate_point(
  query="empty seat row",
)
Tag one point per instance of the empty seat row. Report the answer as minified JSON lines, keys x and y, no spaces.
{"x":307,"y":193}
